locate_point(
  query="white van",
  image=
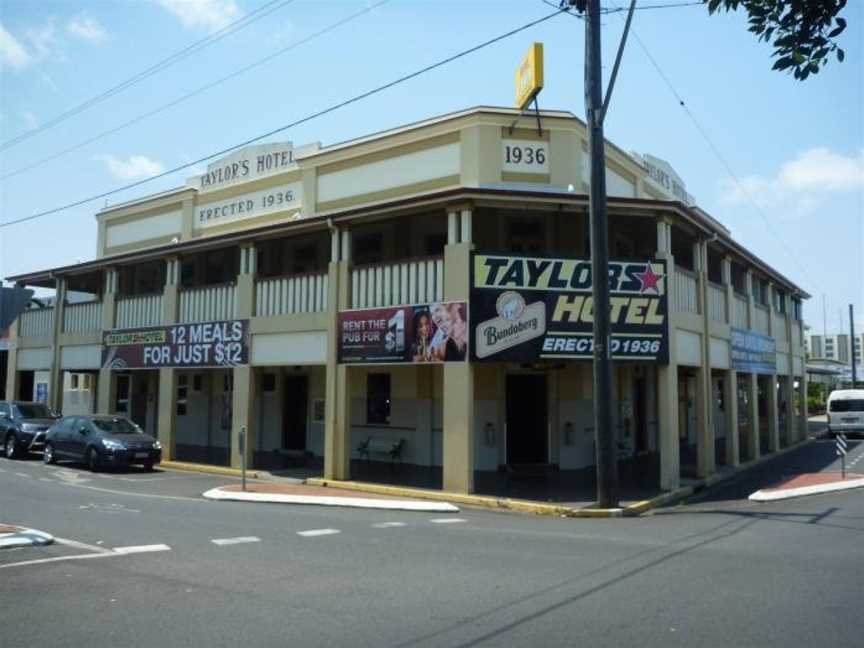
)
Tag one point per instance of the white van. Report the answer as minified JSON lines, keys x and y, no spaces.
{"x":846,"y":411}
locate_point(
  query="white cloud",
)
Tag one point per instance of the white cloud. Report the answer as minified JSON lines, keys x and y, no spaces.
{"x":802,"y":181}
{"x":12,"y":53}
{"x":86,"y":28}
{"x":211,"y":15}
{"x":134,"y":168}
{"x":43,"y":41}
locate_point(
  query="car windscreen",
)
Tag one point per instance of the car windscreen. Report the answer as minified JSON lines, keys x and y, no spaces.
{"x":116,"y":426}
{"x":847,"y":405}
{"x":33,"y":410}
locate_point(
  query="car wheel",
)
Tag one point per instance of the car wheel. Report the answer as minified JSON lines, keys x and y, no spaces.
{"x":48,"y":454}
{"x":11,"y":447}
{"x":92,"y":460}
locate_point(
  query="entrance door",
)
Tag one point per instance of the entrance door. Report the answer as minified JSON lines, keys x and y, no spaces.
{"x":640,"y":418}
{"x":138,"y":399}
{"x":526,"y":419}
{"x":294,"y":412}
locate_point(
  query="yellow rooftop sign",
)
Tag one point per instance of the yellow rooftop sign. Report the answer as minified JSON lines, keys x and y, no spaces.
{"x":529,"y":76}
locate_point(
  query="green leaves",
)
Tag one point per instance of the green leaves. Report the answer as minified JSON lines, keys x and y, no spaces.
{"x":804,"y":31}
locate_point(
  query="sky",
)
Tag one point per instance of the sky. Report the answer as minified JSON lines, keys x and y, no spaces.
{"x":779,"y":162}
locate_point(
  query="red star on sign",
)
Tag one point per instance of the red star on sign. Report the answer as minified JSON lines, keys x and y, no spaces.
{"x":649,"y":279}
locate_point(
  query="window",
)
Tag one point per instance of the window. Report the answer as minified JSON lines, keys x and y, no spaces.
{"x":182,"y":394}
{"x":378,"y":398}
{"x":305,"y":259}
{"x":73,"y":382}
{"x":779,"y":301}
{"x":5,"y":410}
{"x":197,"y":379}
{"x":526,"y":237}
{"x":434,"y":245}
{"x":369,"y":248}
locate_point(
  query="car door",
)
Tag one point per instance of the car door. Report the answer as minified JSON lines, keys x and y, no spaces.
{"x":5,"y":419}
{"x":59,"y":436}
{"x":79,"y":436}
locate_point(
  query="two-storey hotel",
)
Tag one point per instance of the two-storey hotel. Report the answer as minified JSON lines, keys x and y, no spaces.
{"x":422,"y":295}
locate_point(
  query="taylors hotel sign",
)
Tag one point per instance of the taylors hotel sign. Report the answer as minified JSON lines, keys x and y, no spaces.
{"x":523,"y":309}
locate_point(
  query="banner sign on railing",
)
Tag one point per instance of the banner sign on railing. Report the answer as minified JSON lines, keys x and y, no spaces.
{"x":196,"y":345}
{"x":436,"y":332}
{"x":752,"y":352}
{"x":524,"y":309}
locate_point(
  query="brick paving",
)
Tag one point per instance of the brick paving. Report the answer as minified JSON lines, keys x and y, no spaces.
{"x":813,"y":479}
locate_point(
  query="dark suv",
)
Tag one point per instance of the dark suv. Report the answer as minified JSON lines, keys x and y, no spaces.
{"x":101,"y":440}
{"x":23,"y":426}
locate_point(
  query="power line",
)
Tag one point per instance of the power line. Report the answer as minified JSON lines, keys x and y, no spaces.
{"x":237,"y":25}
{"x":611,"y":10}
{"x":195,"y":92}
{"x":302,"y":120}
{"x":714,"y":149}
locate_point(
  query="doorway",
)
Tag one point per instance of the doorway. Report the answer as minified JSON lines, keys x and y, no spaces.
{"x":527,"y":419}
{"x":640,"y":416}
{"x":294,"y":413}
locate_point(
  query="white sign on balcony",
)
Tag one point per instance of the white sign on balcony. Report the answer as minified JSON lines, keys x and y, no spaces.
{"x":287,"y":197}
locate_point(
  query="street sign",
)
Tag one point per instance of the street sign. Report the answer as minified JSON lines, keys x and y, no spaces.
{"x":529,"y":76}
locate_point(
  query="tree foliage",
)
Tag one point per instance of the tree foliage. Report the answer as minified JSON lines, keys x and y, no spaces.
{"x":802,"y":32}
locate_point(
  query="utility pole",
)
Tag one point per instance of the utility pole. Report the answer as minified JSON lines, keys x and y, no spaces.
{"x":607,"y":459}
{"x":852,"y":344}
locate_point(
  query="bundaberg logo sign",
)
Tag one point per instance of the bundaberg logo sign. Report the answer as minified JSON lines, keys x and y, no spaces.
{"x":527,"y":308}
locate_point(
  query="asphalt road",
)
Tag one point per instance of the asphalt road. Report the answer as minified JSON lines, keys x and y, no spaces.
{"x":715,"y":572}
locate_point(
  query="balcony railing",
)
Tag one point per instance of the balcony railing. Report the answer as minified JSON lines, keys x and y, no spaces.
{"x":762,"y":316}
{"x":685,"y":297}
{"x":411,"y":282}
{"x":716,"y":302}
{"x":143,"y":310}
{"x":208,"y":303}
{"x":82,"y":318}
{"x":38,"y":322}
{"x":740,"y":312}
{"x":298,"y":294}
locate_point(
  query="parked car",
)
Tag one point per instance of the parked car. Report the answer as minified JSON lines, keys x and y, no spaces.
{"x":23,"y":426}
{"x":101,"y":440}
{"x":846,"y":411}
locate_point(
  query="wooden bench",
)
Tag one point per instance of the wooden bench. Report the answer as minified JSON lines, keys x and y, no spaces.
{"x":381,"y":446}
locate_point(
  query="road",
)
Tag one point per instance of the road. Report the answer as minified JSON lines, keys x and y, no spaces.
{"x":714,"y":572}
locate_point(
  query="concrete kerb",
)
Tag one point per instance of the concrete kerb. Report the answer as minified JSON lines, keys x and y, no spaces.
{"x":503,"y":503}
{"x":772,"y":495}
{"x":213,"y":470}
{"x":478,"y":501}
{"x":23,"y":537}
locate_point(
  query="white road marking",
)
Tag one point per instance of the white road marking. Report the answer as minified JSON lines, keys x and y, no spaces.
{"x":387,"y":525}
{"x":58,"y":559}
{"x":82,"y":545}
{"x":234,"y":541}
{"x":46,"y":479}
{"x":447,"y":520}
{"x":22,"y":475}
{"x":317,"y":532}
{"x":142,"y":549}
